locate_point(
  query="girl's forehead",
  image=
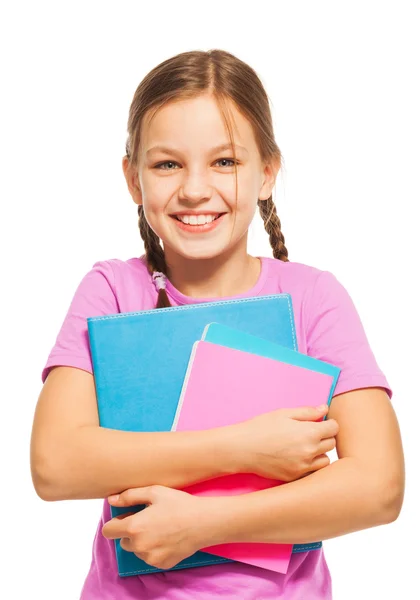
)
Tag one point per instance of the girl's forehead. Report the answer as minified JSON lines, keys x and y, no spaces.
{"x":190,"y":120}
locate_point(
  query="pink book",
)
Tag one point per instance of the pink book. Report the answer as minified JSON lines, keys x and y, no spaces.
{"x":224,"y":386}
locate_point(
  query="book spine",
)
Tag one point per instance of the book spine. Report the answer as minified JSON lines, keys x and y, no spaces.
{"x":184,"y":387}
{"x":206,"y":328}
{"x":98,"y":373}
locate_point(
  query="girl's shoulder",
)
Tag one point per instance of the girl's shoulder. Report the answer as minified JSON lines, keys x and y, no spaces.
{"x":295,"y":277}
{"x":110,"y":286}
{"x":130,"y":282}
{"x":135,"y":265}
{"x":117,"y":270}
{"x":314,"y":291}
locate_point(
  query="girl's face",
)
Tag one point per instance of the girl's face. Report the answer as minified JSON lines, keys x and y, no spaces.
{"x":186,"y":181}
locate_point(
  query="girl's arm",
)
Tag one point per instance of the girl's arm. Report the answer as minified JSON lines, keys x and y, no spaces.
{"x":363,"y":489}
{"x":72,"y":457}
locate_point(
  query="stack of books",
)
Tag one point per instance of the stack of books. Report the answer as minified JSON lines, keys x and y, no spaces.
{"x":201,"y":366}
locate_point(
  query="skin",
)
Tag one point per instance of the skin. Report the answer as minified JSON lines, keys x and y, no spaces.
{"x":216,"y":263}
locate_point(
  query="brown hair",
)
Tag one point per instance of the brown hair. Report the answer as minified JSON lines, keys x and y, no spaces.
{"x":188,"y":75}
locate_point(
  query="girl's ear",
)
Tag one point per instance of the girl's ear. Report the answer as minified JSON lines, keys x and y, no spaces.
{"x":132,"y":179}
{"x":271,"y":170}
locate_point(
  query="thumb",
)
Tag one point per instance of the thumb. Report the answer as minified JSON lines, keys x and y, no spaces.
{"x":132,"y":496}
{"x":307,"y":413}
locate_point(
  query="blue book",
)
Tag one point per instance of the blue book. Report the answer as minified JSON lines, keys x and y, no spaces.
{"x":140,"y":360}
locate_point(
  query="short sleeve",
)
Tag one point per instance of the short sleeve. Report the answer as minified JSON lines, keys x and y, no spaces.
{"x":335,"y":334}
{"x":94,"y":296}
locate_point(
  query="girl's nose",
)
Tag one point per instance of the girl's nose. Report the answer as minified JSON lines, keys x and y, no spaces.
{"x":195,"y":187}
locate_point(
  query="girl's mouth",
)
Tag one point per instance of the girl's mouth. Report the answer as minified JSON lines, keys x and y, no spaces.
{"x":198,"y":223}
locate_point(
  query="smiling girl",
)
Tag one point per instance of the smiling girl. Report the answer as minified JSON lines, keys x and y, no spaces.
{"x":200,"y":159}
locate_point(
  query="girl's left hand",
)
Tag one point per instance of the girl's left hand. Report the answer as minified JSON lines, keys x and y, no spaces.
{"x":168,"y":530}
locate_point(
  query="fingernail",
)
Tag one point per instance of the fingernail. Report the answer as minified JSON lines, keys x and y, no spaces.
{"x":323,"y":407}
{"x":113,"y":498}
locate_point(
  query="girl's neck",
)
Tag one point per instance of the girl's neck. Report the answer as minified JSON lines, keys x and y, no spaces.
{"x":214,"y":278}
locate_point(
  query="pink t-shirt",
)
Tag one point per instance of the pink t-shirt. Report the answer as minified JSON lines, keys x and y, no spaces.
{"x":327,"y":327}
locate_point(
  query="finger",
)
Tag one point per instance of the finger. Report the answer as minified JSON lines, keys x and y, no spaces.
{"x":320,"y":462}
{"x":126,"y":544}
{"x":116,"y":528}
{"x":328,"y":428}
{"x":132,"y":496}
{"x":326,"y":445}
{"x":307,"y":413}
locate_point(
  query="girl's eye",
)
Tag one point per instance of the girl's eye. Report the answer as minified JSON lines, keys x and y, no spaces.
{"x":168,"y":162}
{"x":171,"y":162}
{"x":231,"y":160}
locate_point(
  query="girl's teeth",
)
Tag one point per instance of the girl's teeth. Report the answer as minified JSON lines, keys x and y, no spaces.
{"x":196,"y":220}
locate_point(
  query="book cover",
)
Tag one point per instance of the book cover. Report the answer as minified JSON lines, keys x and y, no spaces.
{"x":224,"y":386}
{"x":234,"y":338}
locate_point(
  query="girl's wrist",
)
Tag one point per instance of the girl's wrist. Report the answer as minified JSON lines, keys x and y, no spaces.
{"x":234,"y":455}
{"x":214,"y":522}
{"x":216,"y":513}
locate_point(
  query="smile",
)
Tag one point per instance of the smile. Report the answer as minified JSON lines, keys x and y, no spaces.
{"x":198,"y":223}
{"x":196,"y":219}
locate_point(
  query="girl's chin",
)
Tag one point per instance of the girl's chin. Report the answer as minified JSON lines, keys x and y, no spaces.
{"x":196,"y":251}
{"x":200,"y":254}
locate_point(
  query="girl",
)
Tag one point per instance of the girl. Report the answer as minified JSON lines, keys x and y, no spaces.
{"x":200,"y":157}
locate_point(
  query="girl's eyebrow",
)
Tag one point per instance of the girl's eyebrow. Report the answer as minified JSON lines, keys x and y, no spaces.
{"x":167,"y":150}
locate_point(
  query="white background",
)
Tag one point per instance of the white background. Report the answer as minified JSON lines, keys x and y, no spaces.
{"x":343,"y":79}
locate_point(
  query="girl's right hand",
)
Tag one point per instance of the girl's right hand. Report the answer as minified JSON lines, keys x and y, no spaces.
{"x":285,"y":444}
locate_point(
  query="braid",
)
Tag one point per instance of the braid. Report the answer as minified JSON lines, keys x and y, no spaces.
{"x":272,"y":225}
{"x":155,"y":256}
